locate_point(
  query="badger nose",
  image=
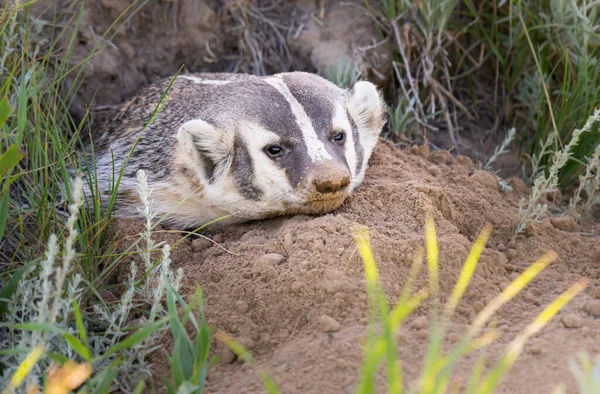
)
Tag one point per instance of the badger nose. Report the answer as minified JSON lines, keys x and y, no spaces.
{"x":330,"y":177}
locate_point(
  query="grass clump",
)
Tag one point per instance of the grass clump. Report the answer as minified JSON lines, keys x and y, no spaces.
{"x":436,"y":375}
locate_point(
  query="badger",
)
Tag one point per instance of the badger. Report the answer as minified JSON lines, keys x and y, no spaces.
{"x":238,"y":147}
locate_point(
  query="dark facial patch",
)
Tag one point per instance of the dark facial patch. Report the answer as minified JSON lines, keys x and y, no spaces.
{"x":313,"y":98}
{"x":272,"y":112}
{"x":357,"y":146}
{"x":242,"y":171}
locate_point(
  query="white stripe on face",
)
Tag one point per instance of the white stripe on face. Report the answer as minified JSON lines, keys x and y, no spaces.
{"x":341,"y":122}
{"x":204,"y":81}
{"x":316,"y":149}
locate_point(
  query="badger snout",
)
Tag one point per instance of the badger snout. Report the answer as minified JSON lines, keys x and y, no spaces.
{"x":329,"y":177}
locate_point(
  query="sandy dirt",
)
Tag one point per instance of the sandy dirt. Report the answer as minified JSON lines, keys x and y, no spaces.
{"x":292,"y":289}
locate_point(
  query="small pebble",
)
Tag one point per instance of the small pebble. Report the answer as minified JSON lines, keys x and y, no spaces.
{"x":266,"y":262}
{"x":200,"y":244}
{"x":433,"y":170}
{"x":419,"y":323}
{"x":593,"y":307}
{"x":241,"y":307}
{"x":441,"y":157}
{"x":486,"y":179}
{"x":511,"y":254}
{"x":572,"y":321}
{"x":501,"y":248}
{"x":329,"y":324}
{"x":227,"y":356}
{"x":422,"y":334}
{"x":464,"y":161}
{"x":565,"y":223}
{"x":317,"y":246}
{"x":330,"y":228}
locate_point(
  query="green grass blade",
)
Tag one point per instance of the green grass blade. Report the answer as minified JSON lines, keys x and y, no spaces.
{"x":10,"y":159}
{"x":5,"y":110}
{"x":78,"y":347}
{"x":80,"y":326}
{"x":11,"y":286}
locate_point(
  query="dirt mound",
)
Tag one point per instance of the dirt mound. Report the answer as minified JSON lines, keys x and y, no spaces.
{"x":293,"y":291}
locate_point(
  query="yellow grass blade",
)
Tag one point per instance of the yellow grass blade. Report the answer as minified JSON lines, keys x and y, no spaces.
{"x":24,"y":368}
{"x":432,"y":255}
{"x":512,"y":290}
{"x":363,"y":241}
{"x":467,"y":270}
{"x":517,"y":345}
{"x":482,"y":318}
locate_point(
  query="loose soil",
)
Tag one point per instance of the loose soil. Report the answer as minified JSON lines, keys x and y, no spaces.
{"x":292,"y":289}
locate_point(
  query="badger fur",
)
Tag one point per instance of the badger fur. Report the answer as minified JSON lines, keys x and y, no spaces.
{"x":240,"y":146}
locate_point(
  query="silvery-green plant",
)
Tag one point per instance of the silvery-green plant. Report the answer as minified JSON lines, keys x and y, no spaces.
{"x":45,"y":299}
{"x":531,"y":210}
{"x":42,"y":309}
{"x":501,"y":149}
{"x":589,"y":182}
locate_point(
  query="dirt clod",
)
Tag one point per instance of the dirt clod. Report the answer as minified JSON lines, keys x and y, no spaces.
{"x":486,"y":179}
{"x":441,"y":157}
{"x":511,"y":254}
{"x":201,"y":244}
{"x":329,"y":324}
{"x":266,"y":262}
{"x":572,"y":321}
{"x":565,"y":223}
{"x":593,"y":307}
{"x":420,"y":322}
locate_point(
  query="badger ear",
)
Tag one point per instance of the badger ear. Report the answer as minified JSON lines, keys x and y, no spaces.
{"x":366,"y":106}
{"x":205,"y":145}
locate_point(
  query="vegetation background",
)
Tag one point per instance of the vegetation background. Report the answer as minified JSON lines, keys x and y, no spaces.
{"x":514,"y":85}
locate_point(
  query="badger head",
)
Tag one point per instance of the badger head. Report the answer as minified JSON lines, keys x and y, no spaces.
{"x":284,"y":144}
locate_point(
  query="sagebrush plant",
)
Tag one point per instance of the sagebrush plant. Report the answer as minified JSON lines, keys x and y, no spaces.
{"x":44,"y":311}
{"x":531,"y":209}
{"x":587,"y":193}
{"x":500,"y":150}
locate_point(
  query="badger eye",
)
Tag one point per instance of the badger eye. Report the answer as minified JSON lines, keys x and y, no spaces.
{"x":274,"y":151}
{"x":339,"y":138}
